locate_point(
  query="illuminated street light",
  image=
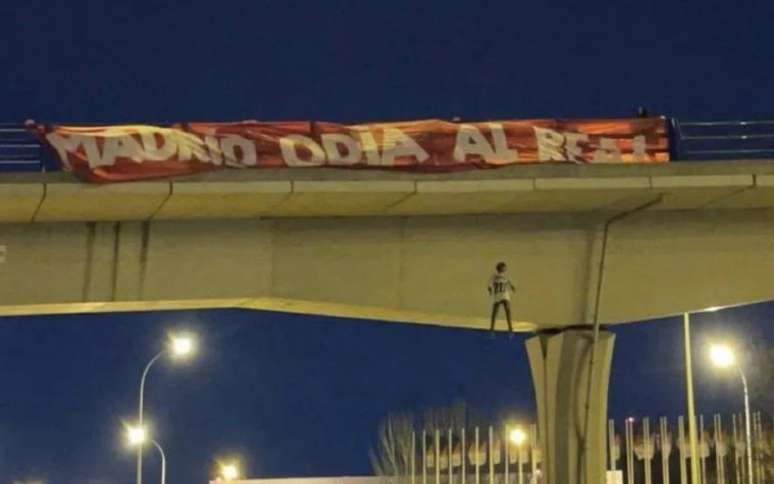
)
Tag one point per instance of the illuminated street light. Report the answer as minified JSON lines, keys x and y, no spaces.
{"x":518,"y":436}
{"x":229,"y":472}
{"x":723,"y":356}
{"x":137,"y":437}
{"x":179,"y":347}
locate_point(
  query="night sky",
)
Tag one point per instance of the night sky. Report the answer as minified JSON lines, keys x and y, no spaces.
{"x":303,"y":395}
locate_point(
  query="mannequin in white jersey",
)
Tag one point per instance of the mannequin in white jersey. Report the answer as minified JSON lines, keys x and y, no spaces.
{"x":500,"y":288}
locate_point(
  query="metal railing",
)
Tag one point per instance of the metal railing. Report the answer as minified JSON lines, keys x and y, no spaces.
{"x":721,"y":140}
{"x":20,"y":150}
{"x":639,"y":451}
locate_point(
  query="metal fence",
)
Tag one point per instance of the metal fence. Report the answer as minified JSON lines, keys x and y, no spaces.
{"x":643,"y":451}
{"x":20,"y":150}
{"x":719,"y":140}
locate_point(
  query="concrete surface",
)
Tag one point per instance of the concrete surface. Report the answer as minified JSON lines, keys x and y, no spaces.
{"x":364,"y":247}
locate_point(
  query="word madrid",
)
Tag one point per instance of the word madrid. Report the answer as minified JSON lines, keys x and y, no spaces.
{"x":370,"y":145}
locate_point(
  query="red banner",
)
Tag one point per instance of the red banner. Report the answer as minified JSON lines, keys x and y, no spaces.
{"x":137,"y":152}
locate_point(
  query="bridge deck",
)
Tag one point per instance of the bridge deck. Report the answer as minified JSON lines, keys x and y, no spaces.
{"x":55,"y":197}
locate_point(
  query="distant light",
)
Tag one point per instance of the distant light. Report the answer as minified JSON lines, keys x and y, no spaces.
{"x":722,"y":356}
{"x":630,"y":419}
{"x":136,"y":435}
{"x":518,"y":436}
{"x":229,"y":472}
{"x":181,"y":346}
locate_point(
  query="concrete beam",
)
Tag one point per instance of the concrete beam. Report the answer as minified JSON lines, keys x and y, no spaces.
{"x":546,"y":188}
{"x":430,"y":269}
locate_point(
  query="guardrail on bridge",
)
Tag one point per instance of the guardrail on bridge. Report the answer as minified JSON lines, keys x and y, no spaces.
{"x":21,"y":151}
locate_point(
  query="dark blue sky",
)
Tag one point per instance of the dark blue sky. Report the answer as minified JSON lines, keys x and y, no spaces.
{"x":354,"y":60}
{"x":294,"y":395}
{"x":301,"y":395}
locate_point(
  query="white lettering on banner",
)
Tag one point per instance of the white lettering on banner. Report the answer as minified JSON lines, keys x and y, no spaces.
{"x":70,"y":144}
{"x":369,"y":147}
{"x":471,"y":141}
{"x":147,"y":144}
{"x":191,"y":148}
{"x":238,"y":151}
{"x":502,"y":152}
{"x":332,"y":142}
{"x":213,"y":148}
{"x":574,"y":152}
{"x":151,"y":148}
{"x":121,"y":146}
{"x":608,"y":151}
{"x":556,"y":146}
{"x":289,"y":145}
{"x":397,"y":144}
{"x":549,"y":143}
{"x":639,"y":148}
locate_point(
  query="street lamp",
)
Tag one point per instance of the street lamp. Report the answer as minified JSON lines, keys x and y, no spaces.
{"x":517,"y":436}
{"x":723,"y":356}
{"x":179,"y":347}
{"x":137,"y":436}
{"x":229,"y":471}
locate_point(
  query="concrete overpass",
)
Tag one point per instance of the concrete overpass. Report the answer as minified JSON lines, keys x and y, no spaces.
{"x":585,"y":244}
{"x":395,"y":246}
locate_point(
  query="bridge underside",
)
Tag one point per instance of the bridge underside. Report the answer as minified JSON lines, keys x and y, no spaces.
{"x":397,"y":247}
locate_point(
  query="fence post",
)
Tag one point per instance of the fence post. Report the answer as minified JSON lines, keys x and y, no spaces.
{"x":463,"y":454}
{"x":681,"y":448}
{"x":666,"y":449}
{"x":703,"y":450}
{"x":738,"y":472}
{"x":720,"y":450}
{"x":758,"y":446}
{"x":413,"y":458}
{"x":451,"y":457}
{"x":611,"y":444}
{"x":437,"y":456}
{"x":629,"y":431}
{"x":520,"y":461}
{"x":491,"y":456}
{"x":478,"y":455}
{"x":534,"y":446}
{"x":424,"y":456}
{"x":647,"y":454}
{"x":507,"y":460}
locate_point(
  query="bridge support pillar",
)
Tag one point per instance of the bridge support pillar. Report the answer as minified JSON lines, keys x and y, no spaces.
{"x":559,"y":361}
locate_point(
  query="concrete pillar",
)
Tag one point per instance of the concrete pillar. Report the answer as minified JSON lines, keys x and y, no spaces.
{"x":559,"y":361}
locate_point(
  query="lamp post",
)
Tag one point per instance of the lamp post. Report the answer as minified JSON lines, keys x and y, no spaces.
{"x":692,"y":432}
{"x":163,"y":462}
{"x":178,"y":347}
{"x":137,"y":436}
{"x":723,"y":356}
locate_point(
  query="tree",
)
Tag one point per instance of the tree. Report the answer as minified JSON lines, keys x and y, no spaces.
{"x":393,"y":452}
{"x":392,"y":456}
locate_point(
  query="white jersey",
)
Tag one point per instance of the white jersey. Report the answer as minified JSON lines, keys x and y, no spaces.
{"x":500,"y":287}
